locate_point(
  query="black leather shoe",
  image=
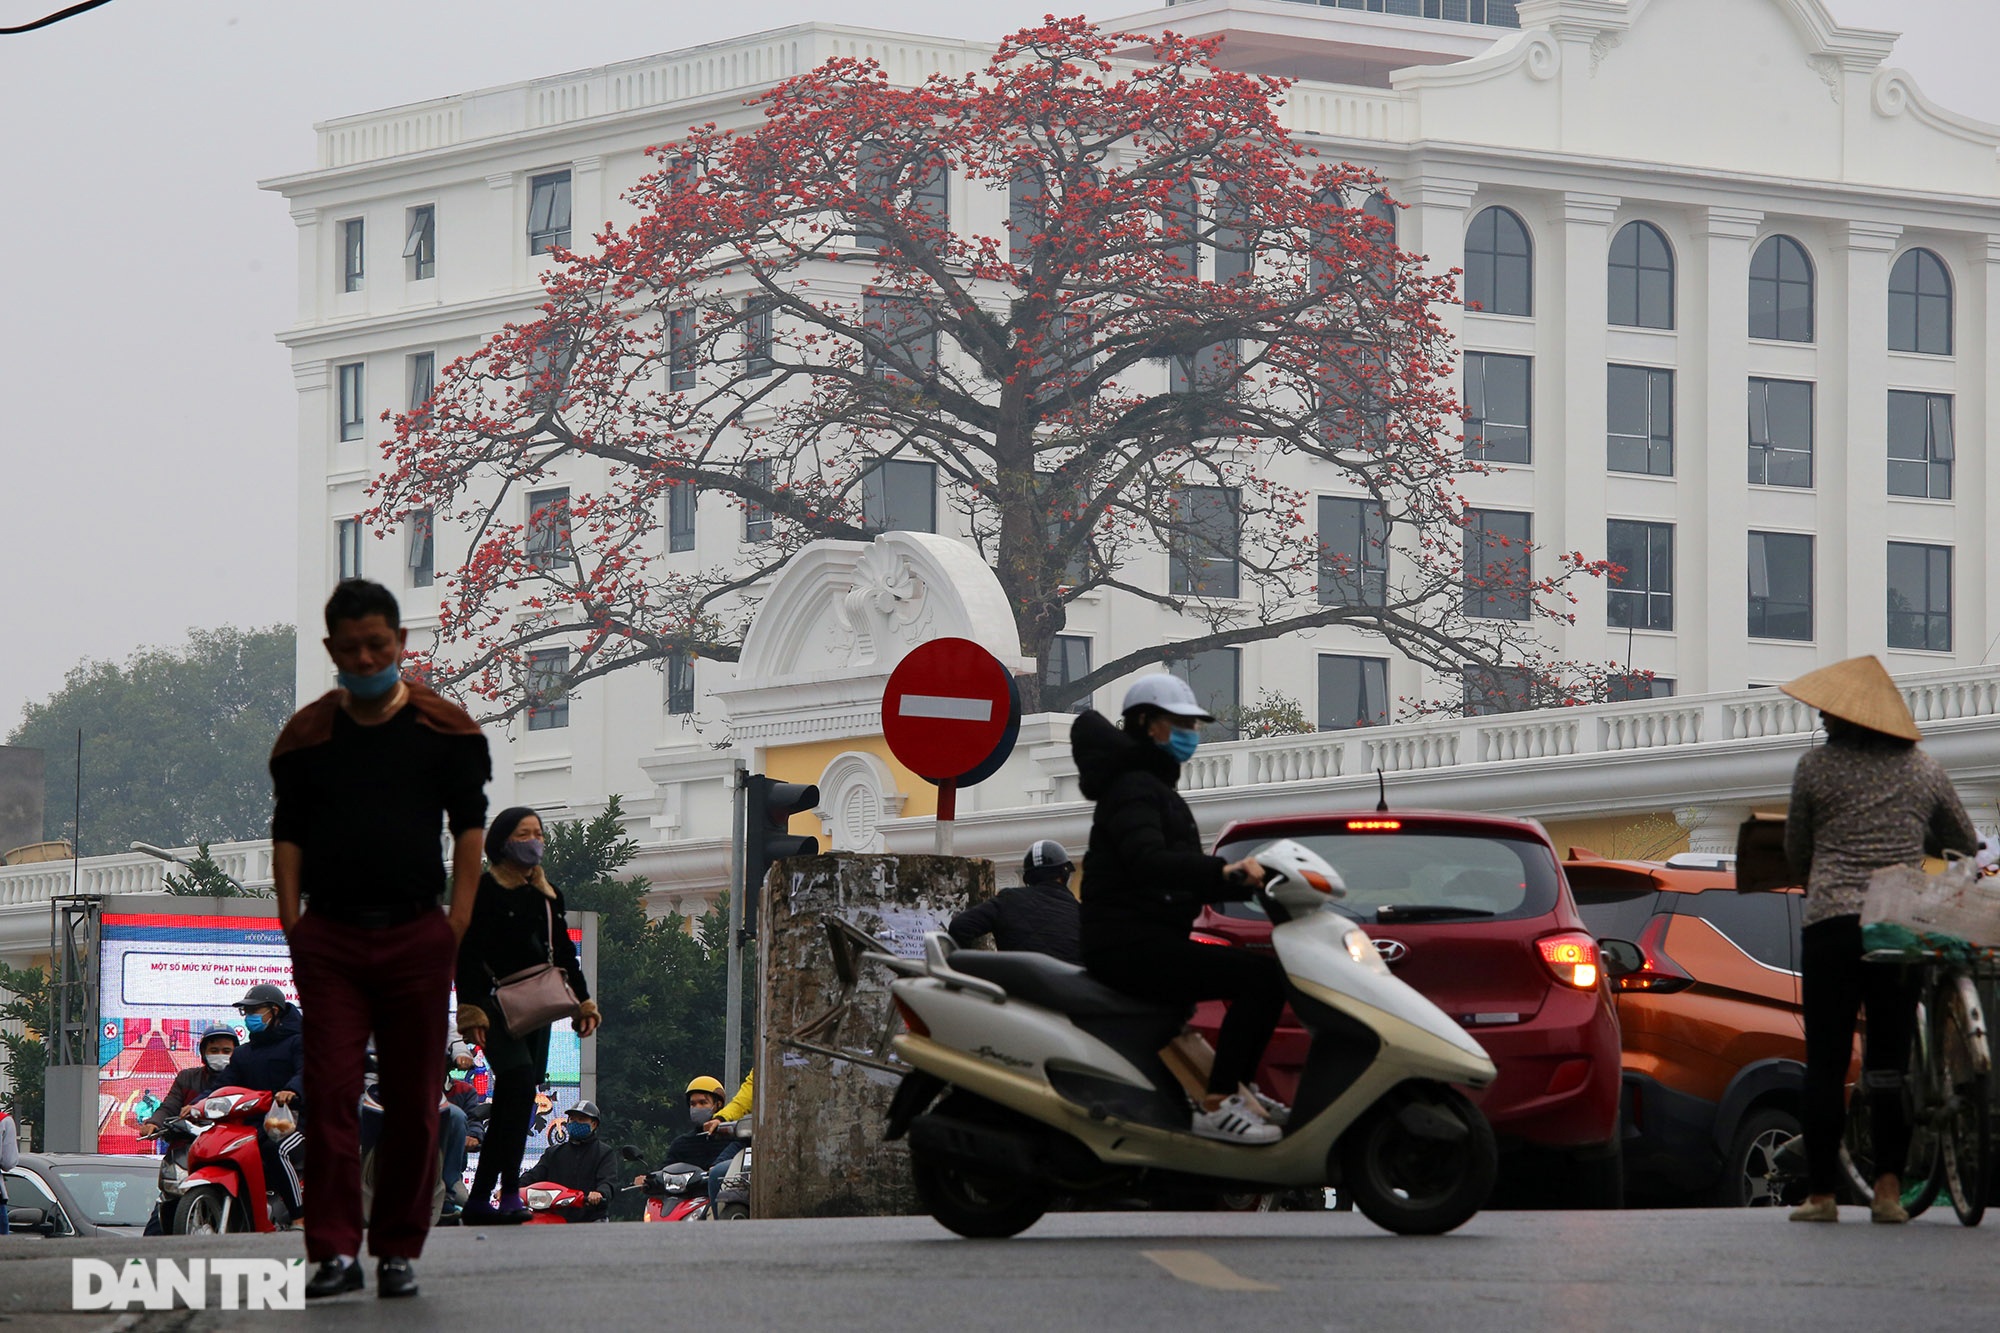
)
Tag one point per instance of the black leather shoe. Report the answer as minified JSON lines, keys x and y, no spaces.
{"x":333,"y":1279}
{"x":395,"y":1277}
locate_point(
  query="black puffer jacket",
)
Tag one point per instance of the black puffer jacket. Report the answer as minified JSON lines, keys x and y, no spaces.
{"x":1145,"y":875}
{"x":273,"y":1060}
{"x":1036,"y":918}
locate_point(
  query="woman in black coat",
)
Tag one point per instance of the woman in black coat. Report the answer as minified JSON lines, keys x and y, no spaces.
{"x":517,"y":922}
{"x":1146,"y":876}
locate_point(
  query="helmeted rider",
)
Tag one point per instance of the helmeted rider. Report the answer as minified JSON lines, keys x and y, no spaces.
{"x":1146,"y":876}
{"x":699,"y":1146}
{"x":1039,"y":915}
{"x":196,"y":1081}
{"x":273,"y":1060}
{"x":582,"y":1161}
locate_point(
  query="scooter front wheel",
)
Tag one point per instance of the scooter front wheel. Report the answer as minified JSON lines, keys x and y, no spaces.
{"x":1420,"y":1164}
{"x":977,"y":1204}
{"x":206,"y":1210}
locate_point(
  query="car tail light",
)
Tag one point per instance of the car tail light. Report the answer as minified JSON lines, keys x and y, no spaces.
{"x":910,"y":1019}
{"x":1572,"y":957}
{"x":1658,"y":974}
{"x":1200,"y":937}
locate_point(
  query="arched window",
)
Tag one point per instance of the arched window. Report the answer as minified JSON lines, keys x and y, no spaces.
{"x":1781,"y":291}
{"x":1377,"y":207}
{"x":1500,"y":264}
{"x":1920,"y":305}
{"x":1642,"y":278}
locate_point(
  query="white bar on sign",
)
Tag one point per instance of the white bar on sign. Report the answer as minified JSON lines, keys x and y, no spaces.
{"x":939,"y":705}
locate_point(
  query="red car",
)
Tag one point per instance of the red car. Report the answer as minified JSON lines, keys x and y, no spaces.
{"x":1474,"y":912}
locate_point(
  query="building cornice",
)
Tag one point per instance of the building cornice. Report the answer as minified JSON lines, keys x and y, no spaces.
{"x":479,"y":312}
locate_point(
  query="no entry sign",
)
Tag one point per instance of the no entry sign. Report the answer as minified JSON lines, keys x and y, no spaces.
{"x":951,"y":712}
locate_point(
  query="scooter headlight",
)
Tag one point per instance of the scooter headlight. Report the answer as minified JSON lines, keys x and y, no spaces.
{"x":541,"y":1200}
{"x":677,"y":1183}
{"x":217,"y":1107}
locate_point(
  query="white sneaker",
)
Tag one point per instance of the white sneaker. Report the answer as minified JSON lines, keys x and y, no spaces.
{"x":1274,"y":1110}
{"x":1235,"y":1121}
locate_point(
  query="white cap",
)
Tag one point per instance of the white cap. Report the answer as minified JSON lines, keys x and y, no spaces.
{"x":1169,"y":694}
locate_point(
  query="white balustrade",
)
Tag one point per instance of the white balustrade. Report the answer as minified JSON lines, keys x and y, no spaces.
{"x":1349,"y":113}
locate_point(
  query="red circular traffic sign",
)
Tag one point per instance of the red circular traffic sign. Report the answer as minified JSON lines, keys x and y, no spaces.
{"x":948,"y":708}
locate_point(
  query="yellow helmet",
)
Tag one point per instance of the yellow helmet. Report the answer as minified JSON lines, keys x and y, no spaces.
{"x":712,"y":1086}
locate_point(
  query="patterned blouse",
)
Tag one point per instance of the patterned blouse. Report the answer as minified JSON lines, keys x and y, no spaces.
{"x":1857,"y":809}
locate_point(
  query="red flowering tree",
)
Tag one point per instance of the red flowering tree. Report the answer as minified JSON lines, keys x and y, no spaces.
{"x":1156,"y":302}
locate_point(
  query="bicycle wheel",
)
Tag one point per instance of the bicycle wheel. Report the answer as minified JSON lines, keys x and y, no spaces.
{"x":1960,"y":1082}
{"x":1922,"y":1172}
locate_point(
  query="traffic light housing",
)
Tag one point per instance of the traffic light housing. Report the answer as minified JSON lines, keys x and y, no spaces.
{"x":768,"y":808}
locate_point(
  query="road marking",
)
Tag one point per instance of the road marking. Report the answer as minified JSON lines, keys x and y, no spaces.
{"x":1204,"y":1270}
{"x":944,"y":705}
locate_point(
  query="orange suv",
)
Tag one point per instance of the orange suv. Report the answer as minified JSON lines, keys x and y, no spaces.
{"x":1714,"y":1038}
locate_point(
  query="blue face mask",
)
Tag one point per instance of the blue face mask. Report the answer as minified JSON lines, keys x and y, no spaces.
{"x":255,"y":1022}
{"x":580,"y":1131}
{"x":525,"y":851}
{"x":1181,"y":743}
{"x":371,"y":686}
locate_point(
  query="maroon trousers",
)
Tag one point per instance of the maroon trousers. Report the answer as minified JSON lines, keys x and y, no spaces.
{"x":395,"y":983}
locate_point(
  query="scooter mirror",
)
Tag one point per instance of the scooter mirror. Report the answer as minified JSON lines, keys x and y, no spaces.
{"x":630,"y":1154}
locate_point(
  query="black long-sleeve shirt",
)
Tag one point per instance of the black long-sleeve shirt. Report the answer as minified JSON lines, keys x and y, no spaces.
{"x":510,"y":931}
{"x":366,"y":804}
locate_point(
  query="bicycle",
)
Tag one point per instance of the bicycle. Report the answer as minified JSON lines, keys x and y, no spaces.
{"x":1945,"y":1093}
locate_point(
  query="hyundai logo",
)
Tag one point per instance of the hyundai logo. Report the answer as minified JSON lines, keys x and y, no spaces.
{"x":1392,"y":951}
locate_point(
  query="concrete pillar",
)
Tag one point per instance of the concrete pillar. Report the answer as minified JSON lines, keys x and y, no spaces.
{"x":1851,"y":454}
{"x":1569,"y":448}
{"x":819,"y":1117}
{"x":1711,"y":829}
{"x":1710,"y":457}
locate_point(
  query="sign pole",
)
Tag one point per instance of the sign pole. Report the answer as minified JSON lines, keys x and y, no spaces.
{"x":732,"y":1019}
{"x":947,"y":815}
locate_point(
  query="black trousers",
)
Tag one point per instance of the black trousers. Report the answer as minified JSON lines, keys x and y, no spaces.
{"x":519,"y":1065}
{"x":1182,"y":972}
{"x":1837,"y":986}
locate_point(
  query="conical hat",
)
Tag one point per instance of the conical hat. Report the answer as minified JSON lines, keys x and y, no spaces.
{"x":1859,"y":691}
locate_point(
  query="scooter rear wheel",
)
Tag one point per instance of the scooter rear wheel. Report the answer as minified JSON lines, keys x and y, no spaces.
{"x":207,"y":1210}
{"x":978,"y":1205}
{"x":1423,"y":1178}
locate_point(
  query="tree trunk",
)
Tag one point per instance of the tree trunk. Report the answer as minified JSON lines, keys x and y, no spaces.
{"x":819,"y":1147}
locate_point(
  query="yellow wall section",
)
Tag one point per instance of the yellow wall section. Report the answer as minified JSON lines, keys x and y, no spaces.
{"x":1620,"y":837}
{"x":805,"y":763}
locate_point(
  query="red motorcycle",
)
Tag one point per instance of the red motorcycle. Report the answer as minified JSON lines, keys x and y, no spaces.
{"x":549,"y":1202}
{"x":224,"y":1189}
{"x":676,"y":1193}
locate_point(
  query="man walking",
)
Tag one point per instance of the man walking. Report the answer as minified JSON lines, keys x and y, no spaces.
{"x":366,"y":776}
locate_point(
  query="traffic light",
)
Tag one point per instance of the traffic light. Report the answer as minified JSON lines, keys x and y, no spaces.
{"x":768,"y":808}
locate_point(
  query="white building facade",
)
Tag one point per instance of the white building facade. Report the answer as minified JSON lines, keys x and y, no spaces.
{"x":1669,"y":212}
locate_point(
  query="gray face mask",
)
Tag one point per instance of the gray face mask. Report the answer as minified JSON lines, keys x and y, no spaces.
{"x":216,"y":1061}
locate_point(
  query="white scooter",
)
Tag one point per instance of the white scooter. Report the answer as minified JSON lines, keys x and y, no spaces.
{"x":1046,"y":1082}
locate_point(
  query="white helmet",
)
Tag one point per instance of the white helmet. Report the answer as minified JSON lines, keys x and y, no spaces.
{"x":1169,"y":694}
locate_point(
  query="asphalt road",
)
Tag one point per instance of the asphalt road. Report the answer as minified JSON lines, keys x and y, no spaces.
{"x":1680,"y":1270}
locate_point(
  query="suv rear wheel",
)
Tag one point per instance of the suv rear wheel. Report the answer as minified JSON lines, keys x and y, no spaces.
{"x":1745,"y":1181}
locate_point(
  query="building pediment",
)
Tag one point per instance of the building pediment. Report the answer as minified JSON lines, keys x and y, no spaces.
{"x":1765,"y":87}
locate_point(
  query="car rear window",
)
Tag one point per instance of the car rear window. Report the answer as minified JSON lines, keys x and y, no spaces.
{"x":1615,"y":914}
{"x":111,"y":1195}
{"x":1763,"y":925}
{"x":1490,"y":877}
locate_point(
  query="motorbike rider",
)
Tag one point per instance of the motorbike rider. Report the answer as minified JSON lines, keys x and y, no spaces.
{"x":582,"y":1161}
{"x":1146,"y":876}
{"x":273,"y":1060}
{"x":1039,"y":915}
{"x":739,"y":1107}
{"x":195,"y":1082}
{"x":701,"y":1145}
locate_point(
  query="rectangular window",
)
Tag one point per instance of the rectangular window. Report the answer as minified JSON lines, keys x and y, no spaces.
{"x":423,"y":379}
{"x":899,"y":495}
{"x":911,"y":338}
{"x":547,"y":370}
{"x":1180,"y":232}
{"x":1492,"y":690}
{"x":681,"y":497}
{"x":1498,"y":564}
{"x":1640,"y":421}
{"x":1027,"y":205}
{"x":347,"y":539}
{"x":1208,"y":371}
{"x":1498,"y":410}
{"x":423,"y":548}
{"x":680,"y":350}
{"x":352,"y":410}
{"x":1216,"y":677}
{"x":548,"y":528}
{"x":1353,"y":552}
{"x":353,"y":254}
{"x":420,"y":242}
{"x":1353,"y":692}
{"x":756,"y":518}
{"x":757,"y":343}
{"x":548,"y":700}
{"x":1921,"y":448}
{"x":1781,"y":586}
{"x":1202,"y":542}
{"x":1781,"y":433}
{"x":884,"y":168}
{"x":1920,"y":597}
{"x":1235,"y":234}
{"x":548,"y":212}
{"x":1067,"y":507}
{"x":1069,"y":659}
{"x":1627,"y":686}
{"x":1643,"y":596}
{"x":680,"y":683}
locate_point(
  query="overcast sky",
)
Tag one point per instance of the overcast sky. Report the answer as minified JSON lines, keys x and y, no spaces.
{"x":148,"y":430}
